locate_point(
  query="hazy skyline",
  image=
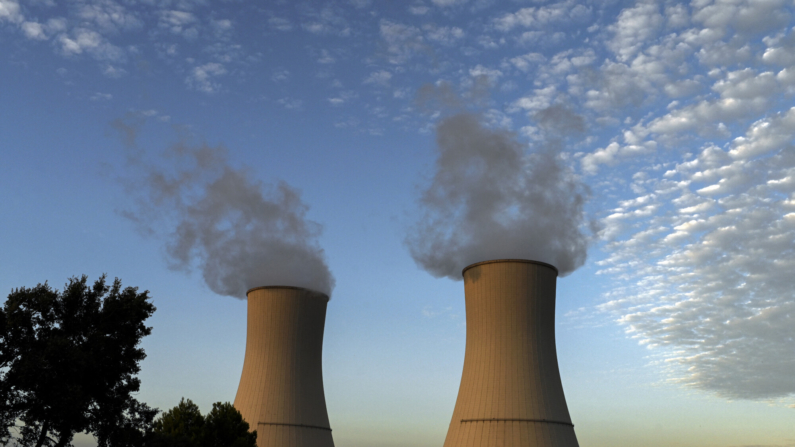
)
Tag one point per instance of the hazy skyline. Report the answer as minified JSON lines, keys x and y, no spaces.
{"x":672,"y":123}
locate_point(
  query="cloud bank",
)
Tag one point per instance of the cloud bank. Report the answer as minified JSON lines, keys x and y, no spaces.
{"x":489,"y":199}
{"x":708,"y":277}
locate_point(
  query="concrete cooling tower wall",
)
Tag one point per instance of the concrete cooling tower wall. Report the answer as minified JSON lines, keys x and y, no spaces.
{"x":511,"y":394}
{"x":281,"y":387}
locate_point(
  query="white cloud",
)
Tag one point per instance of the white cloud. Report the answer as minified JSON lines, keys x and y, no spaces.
{"x":108,"y":16}
{"x":82,"y":40}
{"x":613,"y":153}
{"x":766,"y":135}
{"x":113,"y":71}
{"x":490,"y":42}
{"x":99,"y":96}
{"x":222,"y":27}
{"x":746,"y":16}
{"x":677,"y":16}
{"x":635,"y":26}
{"x":528,"y":61}
{"x":707,"y":279}
{"x":342,"y":97}
{"x":42,"y":31}
{"x":780,"y":49}
{"x":723,"y":54}
{"x":326,"y":21}
{"x":291,"y":103}
{"x":746,"y":84}
{"x":419,"y":10}
{"x":445,"y":35}
{"x":9,"y":11}
{"x":492,"y":74}
{"x":325,"y":57}
{"x":280,"y":75}
{"x":180,"y":22}
{"x":742,"y":93}
{"x":448,"y":2}
{"x":619,"y":85}
{"x":402,"y":41}
{"x":540,"y":99}
{"x":280,"y":23}
{"x":34,"y":30}
{"x":202,"y":78}
{"x":538,"y":17}
{"x":683,"y":88}
{"x":380,"y":77}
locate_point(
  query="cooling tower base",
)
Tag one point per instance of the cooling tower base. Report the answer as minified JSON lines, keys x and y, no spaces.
{"x":512,"y":433}
{"x":293,"y":436}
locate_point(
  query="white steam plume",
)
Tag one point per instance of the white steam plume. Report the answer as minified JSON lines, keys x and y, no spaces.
{"x":239,"y":232}
{"x":489,"y":199}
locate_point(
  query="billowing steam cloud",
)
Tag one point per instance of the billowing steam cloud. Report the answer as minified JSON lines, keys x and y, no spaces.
{"x":239,"y":232}
{"x":489,"y":199}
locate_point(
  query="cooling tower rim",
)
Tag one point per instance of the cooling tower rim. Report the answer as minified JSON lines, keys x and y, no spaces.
{"x":314,"y":292}
{"x":525,"y":261}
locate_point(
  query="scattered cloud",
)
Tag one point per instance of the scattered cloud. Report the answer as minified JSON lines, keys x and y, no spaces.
{"x":83,"y":40}
{"x":445,"y":35}
{"x":634,"y":28}
{"x":34,"y":30}
{"x":183,"y":23}
{"x":326,"y":57}
{"x":527,"y":62}
{"x":10,"y":11}
{"x":444,"y":3}
{"x":99,"y":96}
{"x":280,"y":24}
{"x":380,"y":78}
{"x":419,"y":10}
{"x":203,"y":77}
{"x":541,"y":16}
{"x":491,"y":74}
{"x":612,"y":153}
{"x":401,"y":41}
{"x":291,"y":103}
{"x":108,"y":16}
{"x":280,"y":75}
{"x":327,"y":20}
{"x":708,"y":277}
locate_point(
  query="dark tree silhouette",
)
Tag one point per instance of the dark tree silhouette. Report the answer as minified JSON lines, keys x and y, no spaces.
{"x":180,"y":426}
{"x":224,"y":427}
{"x":184,"y":426}
{"x":68,"y":364}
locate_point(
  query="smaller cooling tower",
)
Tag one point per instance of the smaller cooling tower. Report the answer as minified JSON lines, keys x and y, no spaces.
{"x":510,"y":394}
{"x":281,"y":387}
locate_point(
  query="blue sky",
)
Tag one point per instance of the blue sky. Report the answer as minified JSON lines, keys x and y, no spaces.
{"x":674,"y":121}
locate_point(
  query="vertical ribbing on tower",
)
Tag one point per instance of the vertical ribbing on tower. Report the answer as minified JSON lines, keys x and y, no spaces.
{"x":511,"y":393}
{"x":281,"y":387}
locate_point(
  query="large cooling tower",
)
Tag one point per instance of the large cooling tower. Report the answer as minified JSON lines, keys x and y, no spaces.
{"x":510,"y":393}
{"x":281,"y":388}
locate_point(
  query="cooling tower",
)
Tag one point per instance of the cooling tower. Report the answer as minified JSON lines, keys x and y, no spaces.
{"x":281,"y":387}
{"x":510,"y":393}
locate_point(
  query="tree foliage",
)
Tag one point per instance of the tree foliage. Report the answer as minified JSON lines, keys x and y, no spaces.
{"x":68,"y":364}
{"x":224,"y":427}
{"x":184,"y":426}
{"x":179,"y":426}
